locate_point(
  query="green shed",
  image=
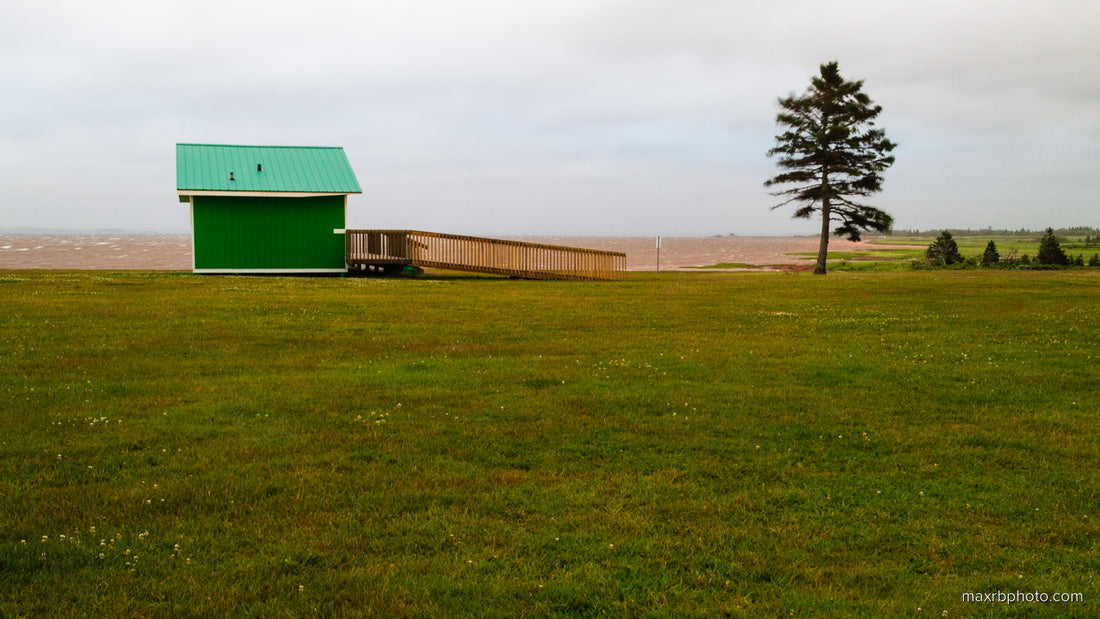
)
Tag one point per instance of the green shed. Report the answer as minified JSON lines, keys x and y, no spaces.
{"x":266,"y":209}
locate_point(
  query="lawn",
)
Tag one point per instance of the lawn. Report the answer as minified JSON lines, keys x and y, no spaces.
{"x":676,"y":444}
{"x":973,"y":246}
{"x":901,"y":251}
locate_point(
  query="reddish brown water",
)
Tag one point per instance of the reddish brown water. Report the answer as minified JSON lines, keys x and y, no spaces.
{"x":95,"y":251}
{"x":173,"y":252}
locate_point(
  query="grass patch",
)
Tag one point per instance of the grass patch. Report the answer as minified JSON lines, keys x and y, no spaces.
{"x":729,"y":265}
{"x":866,"y":260}
{"x":974,"y":246}
{"x":898,"y":258}
{"x":870,"y":254}
{"x":860,"y":444}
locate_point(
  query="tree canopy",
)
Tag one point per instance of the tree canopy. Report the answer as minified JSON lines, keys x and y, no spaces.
{"x":990,"y":256}
{"x":1050,"y":250}
{"x":830,"y":155}
{"x":944,"y":250}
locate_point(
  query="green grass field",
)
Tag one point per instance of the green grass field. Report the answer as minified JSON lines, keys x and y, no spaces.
{"x":683,"y":444}
{"x":913,"y":249}
{"x":974,"y":246}
{"x":900,"y":252}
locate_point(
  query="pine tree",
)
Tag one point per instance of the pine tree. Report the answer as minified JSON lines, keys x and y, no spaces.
{"x":991,"y":255}
{"x":1095,"y":260}
{"x":1050,"y":251}
{"x":832,"y":154}
{"x":944,"y":250}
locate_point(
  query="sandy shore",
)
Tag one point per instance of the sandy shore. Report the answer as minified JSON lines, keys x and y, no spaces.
{"x":173,"y":252}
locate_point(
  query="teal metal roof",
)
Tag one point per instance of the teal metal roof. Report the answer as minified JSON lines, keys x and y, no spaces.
{"x":297,"y":169}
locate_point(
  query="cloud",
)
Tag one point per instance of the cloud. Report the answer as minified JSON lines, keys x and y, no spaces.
{"x":502,"y":110}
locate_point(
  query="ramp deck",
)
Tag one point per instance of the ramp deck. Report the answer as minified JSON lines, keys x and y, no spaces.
{"x":389,"y":249}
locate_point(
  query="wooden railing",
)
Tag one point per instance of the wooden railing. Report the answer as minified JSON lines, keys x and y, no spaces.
{"x":390,"y":248}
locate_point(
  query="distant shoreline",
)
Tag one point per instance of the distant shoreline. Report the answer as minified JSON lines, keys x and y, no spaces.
{"x":172,"y":251}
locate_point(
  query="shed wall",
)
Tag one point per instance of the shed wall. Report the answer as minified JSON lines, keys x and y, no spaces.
{"x":268,"y":234}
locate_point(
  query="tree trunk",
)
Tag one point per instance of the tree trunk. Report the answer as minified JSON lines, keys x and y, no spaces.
{"x":823,"y":248}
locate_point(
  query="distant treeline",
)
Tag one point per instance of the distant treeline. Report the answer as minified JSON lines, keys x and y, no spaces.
{"x":1062,"y":232}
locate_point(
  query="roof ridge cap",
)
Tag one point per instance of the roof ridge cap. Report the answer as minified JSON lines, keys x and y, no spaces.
{"x":256,"y":145}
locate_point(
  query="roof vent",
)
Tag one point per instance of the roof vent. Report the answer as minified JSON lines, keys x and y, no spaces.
{"x":231,"y":177}
{"x":259,"y":167}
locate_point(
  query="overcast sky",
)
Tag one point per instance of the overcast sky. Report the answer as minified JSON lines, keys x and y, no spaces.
{"x":557,"y":117}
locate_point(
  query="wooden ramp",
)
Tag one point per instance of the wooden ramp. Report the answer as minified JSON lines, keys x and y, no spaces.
{"x":392,"y":249}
